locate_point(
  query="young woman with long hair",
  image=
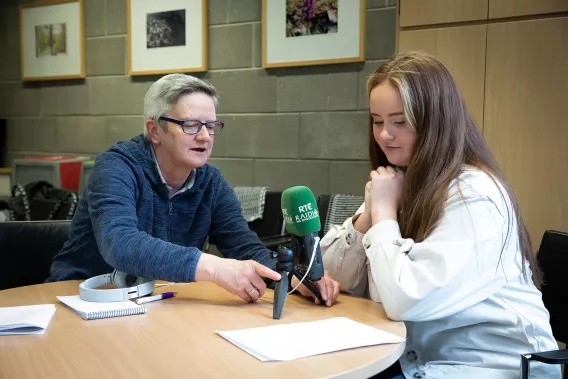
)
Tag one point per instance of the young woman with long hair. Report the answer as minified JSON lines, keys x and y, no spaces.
{"x":440,"y":240}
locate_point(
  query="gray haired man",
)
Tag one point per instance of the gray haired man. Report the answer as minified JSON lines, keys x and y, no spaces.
{"x":152,"y":201}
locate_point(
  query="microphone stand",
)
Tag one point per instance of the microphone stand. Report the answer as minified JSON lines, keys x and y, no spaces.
{"x":286,"y":267}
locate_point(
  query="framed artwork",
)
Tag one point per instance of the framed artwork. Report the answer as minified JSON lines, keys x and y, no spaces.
{"x":166,"y":36}
{"x":312,"y":32}
{"x":52,"y":41}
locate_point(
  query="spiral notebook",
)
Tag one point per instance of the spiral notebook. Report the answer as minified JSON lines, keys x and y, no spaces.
{"x":90,"y":310}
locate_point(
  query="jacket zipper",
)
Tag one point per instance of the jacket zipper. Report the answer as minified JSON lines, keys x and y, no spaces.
{"x":170,"y":210}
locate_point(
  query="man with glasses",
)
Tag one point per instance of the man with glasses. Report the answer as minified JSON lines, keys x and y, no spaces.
{"x":152,"y":201}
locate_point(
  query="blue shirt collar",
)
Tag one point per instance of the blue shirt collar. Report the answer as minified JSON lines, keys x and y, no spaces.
{"x":186,"y":186}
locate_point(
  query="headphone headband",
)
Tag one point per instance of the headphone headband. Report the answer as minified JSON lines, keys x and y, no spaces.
{"x":88,"y":289}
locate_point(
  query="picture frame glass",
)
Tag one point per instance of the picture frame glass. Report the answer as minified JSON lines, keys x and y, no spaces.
{"x":166,"y":36}
{"x":305,"y":32}
{"x":52,"y":45}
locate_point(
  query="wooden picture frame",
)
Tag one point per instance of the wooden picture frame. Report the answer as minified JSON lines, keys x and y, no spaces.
{"x":52,"y":40}
{"x":324,"y":32}
{"x":166,"y":36}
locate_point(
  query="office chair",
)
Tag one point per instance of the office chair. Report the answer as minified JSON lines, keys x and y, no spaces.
{"x":554,"y":357}
{"x":270,"y":229}
{"x":323,"y":207}
{"x":335,"y":209}
{"x":27,"y":249}
{"x":552,"y":258}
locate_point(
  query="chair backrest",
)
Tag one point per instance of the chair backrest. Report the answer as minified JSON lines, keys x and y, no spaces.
{"x":270,"y":225}
{"x":340,"y":208}
{"x":323,"y":207}
{"x":3,"y":141}
{"x":252,"y":201}
{"x":27,"y":249}
{"x":552,"y":258}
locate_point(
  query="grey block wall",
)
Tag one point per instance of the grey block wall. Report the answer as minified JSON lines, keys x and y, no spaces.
{"x":284,"y":127}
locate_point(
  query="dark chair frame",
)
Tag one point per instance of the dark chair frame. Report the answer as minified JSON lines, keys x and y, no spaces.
{"x":27,"y":249}
{"x":553,"y":265}
{"x":554,"y":357}
{"x":270,"y":229}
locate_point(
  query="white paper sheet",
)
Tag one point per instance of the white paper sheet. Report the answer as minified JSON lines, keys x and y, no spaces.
{"x":297,"y":340}
{"x":30,"y":319}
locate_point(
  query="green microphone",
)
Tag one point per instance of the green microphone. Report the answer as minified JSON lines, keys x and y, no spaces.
{"x":303,"y":259}
{"x":300,"y":211}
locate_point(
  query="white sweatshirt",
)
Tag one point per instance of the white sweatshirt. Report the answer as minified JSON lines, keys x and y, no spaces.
{"x":467,"y":309}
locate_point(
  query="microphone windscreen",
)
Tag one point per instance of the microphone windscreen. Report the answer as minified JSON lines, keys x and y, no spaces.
{"x":300,"y":211}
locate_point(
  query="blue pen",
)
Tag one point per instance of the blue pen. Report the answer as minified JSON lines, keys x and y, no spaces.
{"x":165,"y":295}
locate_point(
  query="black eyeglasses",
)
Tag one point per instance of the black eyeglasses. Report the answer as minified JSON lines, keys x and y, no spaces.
{"x":194,"y":126}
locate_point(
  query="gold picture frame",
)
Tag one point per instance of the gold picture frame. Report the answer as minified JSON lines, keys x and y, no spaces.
{"x":166,"y":36}
{"x":324,"y":32}
{"x":52,"y":40}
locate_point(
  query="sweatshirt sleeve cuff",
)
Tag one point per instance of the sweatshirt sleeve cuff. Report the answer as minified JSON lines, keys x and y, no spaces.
{"x":387,"y":230}
{"x":192,"y":267}
{"x":351,"y":230}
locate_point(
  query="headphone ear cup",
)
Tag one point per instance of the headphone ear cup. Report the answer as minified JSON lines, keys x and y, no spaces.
{"x":140,"y":280}
{"x":124,"y":280}
{"x":118,"y":278}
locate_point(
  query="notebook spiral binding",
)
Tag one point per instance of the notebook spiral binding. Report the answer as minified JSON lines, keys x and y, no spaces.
{"x":115,"y":313}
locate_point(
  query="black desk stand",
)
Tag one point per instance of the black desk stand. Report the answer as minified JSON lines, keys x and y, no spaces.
{"x":287,"y":267}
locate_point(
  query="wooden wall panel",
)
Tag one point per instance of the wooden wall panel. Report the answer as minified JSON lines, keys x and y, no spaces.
{"x":511,"y":8}
{"x":462,"y":50}
{"x":426,"y":12}
{"x":526,"y":113}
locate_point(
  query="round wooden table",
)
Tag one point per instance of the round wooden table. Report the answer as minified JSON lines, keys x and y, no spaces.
{"x":176,"y":338}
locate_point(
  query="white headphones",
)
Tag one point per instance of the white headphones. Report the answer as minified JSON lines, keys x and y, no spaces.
{"x":129,"y":287}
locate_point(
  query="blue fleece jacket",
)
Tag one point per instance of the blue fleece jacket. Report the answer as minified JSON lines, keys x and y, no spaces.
{"x":126,"y":221}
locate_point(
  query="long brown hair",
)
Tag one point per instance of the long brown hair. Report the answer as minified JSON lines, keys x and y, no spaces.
{"x":447,"y":139}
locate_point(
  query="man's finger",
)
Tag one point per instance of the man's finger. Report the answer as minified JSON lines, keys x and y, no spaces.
{"x":265,"y":271}
{"x":258,"y":283}
{"x":244,"y":295}
{"x":253,"y":293}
